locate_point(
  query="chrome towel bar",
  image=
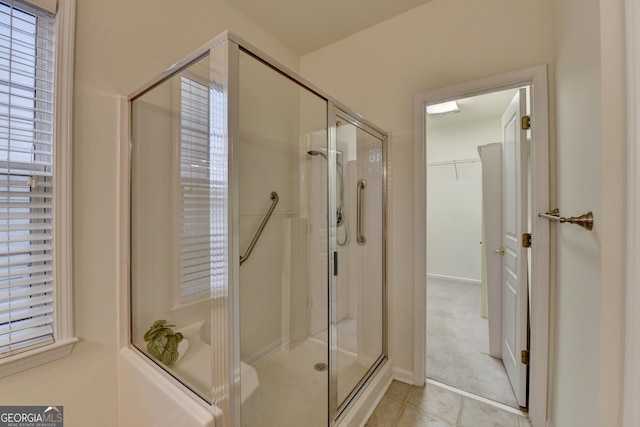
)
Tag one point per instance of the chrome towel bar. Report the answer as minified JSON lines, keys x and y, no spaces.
{"x":585,"y":220}
{"x":263,"y":224}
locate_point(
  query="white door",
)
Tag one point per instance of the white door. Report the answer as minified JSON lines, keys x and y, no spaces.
{"x":491,"y":157}
{"x":514,"y":262}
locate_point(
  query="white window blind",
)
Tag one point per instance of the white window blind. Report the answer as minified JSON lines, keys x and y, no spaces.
{"x":203,"y":185}
{"x":27,"y":56}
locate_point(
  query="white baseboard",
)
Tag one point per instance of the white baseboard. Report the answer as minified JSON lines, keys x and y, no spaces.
{"x":402,"y":375}
{"x":453,"y":278}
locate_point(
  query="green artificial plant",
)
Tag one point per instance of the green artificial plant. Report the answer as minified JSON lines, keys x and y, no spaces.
{"x":163,"y":342}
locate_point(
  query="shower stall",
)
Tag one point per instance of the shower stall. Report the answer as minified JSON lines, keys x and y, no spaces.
{"x":257,"y":240}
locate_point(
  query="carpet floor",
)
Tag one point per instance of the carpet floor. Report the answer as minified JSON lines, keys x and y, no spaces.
{"x":458,"y":342}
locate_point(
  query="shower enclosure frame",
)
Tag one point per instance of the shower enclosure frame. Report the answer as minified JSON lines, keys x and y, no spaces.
{"x":338,"y":410}
{"x":224,"y":52}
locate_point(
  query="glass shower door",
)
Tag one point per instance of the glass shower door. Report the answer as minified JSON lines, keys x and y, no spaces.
{"x":357,"y":323}
{"x":282,"y":227}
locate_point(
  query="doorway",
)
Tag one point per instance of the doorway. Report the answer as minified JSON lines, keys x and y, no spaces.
{"x":536,"y":78}
{"x":464,"y":237}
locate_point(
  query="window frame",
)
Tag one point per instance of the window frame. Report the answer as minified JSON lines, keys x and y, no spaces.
{"x":64,"y":338}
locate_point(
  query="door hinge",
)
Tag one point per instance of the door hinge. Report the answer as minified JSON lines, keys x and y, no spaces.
{"x":526,"y":122}
{"x":526,"y":240}
{"x":524,"y":355}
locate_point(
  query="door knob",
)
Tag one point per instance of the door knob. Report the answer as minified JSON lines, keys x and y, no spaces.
{"x":500,"y":251}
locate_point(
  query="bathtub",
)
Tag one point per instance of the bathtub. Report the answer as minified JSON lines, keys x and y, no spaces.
{"x":148,"y":398}
{"x":195,"y":369}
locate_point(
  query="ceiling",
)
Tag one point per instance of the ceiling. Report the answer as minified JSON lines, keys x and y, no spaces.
{"x":308,"y":25}
{"x":490,"y":105}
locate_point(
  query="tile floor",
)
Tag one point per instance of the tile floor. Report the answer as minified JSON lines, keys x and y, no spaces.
{"x":435,"y":405}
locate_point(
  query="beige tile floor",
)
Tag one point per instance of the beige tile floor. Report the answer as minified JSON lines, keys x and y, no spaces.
{"x":435,"y":405}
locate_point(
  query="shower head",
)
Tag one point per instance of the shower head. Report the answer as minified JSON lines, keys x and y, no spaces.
{"x":317,"y":153}
{"x":340,"y":213}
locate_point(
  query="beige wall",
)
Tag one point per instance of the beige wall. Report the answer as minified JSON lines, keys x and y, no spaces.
{"x":577,"y":312}
{"x":613,"y":152}
{"x":588,"y":316}
{"x":120,"y":45}
{"x":454,"y":195}
{"x":377,"y":71}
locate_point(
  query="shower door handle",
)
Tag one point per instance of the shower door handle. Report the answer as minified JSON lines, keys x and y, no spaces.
{"x":362,"y":184}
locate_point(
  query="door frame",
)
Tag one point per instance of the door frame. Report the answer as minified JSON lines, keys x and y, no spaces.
{"x":536,"y":78}
{"x":631,"y":369}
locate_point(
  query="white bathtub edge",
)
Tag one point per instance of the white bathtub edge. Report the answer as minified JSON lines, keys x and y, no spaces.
{"x":148,"y":397}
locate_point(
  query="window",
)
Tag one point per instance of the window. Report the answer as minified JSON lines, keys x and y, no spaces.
{"x":34,"y":194}
{"x":203,"y":189}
